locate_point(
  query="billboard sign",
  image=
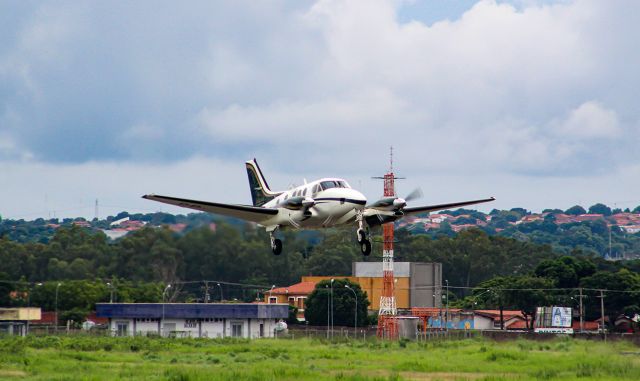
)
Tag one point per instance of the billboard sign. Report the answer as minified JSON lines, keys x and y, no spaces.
{"x":561,"y":317}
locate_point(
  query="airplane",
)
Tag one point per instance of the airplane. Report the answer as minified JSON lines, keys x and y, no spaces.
{"x":323,"y":203}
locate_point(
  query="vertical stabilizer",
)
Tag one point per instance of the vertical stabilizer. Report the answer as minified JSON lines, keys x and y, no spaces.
{"x":260,"y":192}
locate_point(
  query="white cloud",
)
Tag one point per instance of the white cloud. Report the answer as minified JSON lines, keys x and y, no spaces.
{"x":507,"y":93}
{"x":591,"y":120}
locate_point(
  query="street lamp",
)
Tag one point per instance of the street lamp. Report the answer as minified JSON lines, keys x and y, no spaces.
{"x":110,"y":292}
{"x":56,"y":322}
{"x":272,"y":287}
{"x":328,"y":309}
{"x":220,"y":287}
{"x":162,"y":321}
{"x":355,"y":319}
{"x":332,"y":280}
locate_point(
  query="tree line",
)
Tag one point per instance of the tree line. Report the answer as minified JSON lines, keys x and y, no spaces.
{"x":139,"y":265}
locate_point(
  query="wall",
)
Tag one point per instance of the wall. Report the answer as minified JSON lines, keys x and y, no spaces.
{"x":373,"y":288}
{"x":426,"y":285}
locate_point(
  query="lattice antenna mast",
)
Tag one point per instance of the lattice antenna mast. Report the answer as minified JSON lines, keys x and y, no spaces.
{"x":387,"y":322}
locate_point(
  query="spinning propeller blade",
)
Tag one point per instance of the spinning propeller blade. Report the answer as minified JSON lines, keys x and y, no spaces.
{"x":414,"y":195}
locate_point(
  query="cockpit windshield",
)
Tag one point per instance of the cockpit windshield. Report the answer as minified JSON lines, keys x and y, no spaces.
{"x":333,"y":184}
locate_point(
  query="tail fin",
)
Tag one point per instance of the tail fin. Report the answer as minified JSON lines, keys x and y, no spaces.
{"x":260,"y":192}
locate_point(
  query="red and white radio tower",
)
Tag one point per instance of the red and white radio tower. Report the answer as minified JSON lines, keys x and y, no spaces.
{"x":387,"y":322}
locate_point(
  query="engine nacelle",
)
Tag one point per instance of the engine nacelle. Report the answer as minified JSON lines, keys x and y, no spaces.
{"x":297,"y":203}
{"x":389,"y":204}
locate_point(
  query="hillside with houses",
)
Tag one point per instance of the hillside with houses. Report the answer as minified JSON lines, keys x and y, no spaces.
{"x":612,"y":234}
{"x":599,"y":230}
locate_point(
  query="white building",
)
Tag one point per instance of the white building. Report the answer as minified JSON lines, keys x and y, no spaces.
{"x":213,"y":320}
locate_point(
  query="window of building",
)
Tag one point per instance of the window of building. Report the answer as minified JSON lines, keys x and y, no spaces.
{"x":301,"y":301}
{"x":273,"y":299}
{"x":190,"y":323}
{"x":236,"y":329}
{"x":122,"y":328}
{"x":292,"y":301}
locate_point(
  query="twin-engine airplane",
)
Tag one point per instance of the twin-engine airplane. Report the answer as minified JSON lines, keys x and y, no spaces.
{"x":319,"y":204}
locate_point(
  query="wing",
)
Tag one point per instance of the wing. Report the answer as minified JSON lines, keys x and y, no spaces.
{"x":433,"y":208}
{"x":244,"y":212}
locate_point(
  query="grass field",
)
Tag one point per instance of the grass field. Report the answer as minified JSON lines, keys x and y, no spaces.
{"x":105,"y":358}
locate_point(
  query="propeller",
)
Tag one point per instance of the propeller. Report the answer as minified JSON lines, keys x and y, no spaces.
{"x":414,"y":195}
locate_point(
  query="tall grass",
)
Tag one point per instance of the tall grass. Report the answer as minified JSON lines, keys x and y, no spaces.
{"x":142,"y":358}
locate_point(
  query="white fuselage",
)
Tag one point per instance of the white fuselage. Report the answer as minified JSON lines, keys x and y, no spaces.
{"x":328,"y":202}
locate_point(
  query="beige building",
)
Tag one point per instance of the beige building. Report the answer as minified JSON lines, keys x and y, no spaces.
{"x":15,"y":321}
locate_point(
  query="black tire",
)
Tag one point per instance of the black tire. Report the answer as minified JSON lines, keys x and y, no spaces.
{"x":361,"y":236}
{"x":365,"y":247}
{"x":277,"y":247}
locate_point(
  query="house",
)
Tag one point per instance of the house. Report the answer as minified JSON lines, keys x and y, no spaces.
{"x":294,"y":295}
{"x":530,"y":218}
{"x":490,"y":319}
{"x":247,"y":320}
{"x":631,"y":229}
{"x":564,"y":218}
{"x":589,"y":217}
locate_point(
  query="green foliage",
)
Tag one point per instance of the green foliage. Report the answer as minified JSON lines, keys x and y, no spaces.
{"x":600,"y":209}
{"x":317,"y":303}
{"x":616,"y":303}
{"x":575,"y":210}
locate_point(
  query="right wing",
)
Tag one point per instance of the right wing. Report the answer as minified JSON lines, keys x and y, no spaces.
{"x":243,"y":212}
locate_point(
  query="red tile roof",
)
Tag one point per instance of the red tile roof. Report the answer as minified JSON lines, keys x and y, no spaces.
{"x":302,"y":288}
{"x":495,"y":314}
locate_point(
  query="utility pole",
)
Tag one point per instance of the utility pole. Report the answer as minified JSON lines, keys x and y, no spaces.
{"x":206,"y":291}
{"x":581,"y":312}
{"x":446,"y":318}
{"x":604,"y":332}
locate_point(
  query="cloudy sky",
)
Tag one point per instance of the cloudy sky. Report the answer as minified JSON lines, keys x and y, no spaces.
{"x":533,"y":102}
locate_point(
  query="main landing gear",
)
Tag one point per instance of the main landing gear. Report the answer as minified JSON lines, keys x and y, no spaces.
{"x":363,"y":241}
{"x":276,"y":244}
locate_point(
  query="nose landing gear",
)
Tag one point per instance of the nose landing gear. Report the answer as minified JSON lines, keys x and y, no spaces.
{"x":276,"y":244}
{"x":363,"y":241}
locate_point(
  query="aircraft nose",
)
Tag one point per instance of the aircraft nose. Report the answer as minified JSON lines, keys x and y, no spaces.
{"x":358,"y":197}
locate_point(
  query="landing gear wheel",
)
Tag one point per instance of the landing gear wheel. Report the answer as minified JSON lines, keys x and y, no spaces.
{"x":277,"y":247}
{"x":361,"y":236}
{"x":365,"y":247}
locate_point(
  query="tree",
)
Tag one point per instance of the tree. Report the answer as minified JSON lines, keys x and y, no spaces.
{"x":316,"y":306}
{"x":523,"y":293}
{"x":600,"y":209}
{"x":576,"y":210}
{"x":616,"y":303}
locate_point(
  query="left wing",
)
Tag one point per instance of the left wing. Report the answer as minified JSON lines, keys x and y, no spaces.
{"x":245,"y":212}
{"x":433,"y":208}
{"x":378,"y":217}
